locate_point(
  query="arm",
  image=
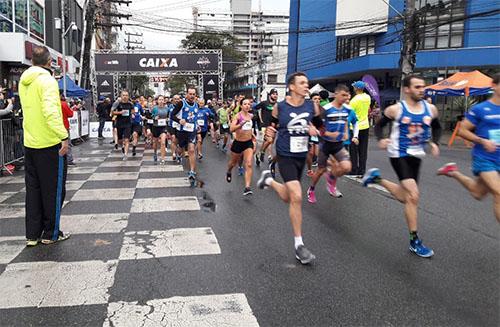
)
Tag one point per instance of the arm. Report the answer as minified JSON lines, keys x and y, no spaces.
{"x":466,"y":131}
{"x":435,"y":125}
{"x":7,"y":110}
{"x":235,"y":126}
{"x":51,"y":109}
{"x":175,"y":111}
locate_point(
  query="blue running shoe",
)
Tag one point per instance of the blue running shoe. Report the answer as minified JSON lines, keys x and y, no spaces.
{"x":419,"y":249}
{"x":241,"y":171}
{"x":371,"y":176}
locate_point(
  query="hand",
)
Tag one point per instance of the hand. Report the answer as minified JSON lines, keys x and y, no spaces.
{"x":383,"y":143}
{"x":64,"y":148}
{"x":434,"y":149}
{"x":182,"y":122}
{"x":488,"y":145}
{"x":355,"y":140}
{"x":313,"y":130}
{"x":9,"y":101}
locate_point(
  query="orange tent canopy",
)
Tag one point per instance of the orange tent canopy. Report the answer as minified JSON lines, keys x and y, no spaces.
{"x":462,"y":83}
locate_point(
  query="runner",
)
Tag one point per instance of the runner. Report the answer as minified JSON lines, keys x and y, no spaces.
{"x":185,"y":113}
{"x":113,"y":120}
{"x":173,"y":126}
{"x":148,"y":123}
{"x":160,"y":115}
{"x":482,"y":127}
{"x":204,"y":113}
{"x":137,"y":118}
{"x":243,"y":145}
{"x":412,"y":121}
{"x":265,"y":109}
{"x":336,"y":116}
{"x":123,"y":112}
{"x":223,"y":115}
{"x":293,"y":118}
{"x":312,"y":155}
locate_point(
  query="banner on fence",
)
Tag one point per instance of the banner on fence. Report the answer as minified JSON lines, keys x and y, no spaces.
{"x":74,"y":127}
{"x":106,"y":132}
{"x":84,"y":116}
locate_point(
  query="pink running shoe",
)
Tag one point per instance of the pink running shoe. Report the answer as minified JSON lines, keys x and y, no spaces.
{"x":331,"y":186}
{"x":447,"y":169}
{"x":311,"y":196}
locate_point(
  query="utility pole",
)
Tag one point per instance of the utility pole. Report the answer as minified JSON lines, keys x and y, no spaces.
{"x":129,"y":41}
{"x":409,"y":49}
{"x":63,"y":46}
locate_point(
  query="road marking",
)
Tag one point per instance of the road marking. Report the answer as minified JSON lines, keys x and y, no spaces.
{"x":160,"y":168}
{"x":163,"y":182}
{"x":94,"y":223}
{"x":103,"y":194}
{"x":81,"y":170}
{"x":5,"y":196}
{"x":184,"y":311}
{"x":74,"y":185}
{"x":15,"y":180}
{"x":90,"y":159}
{"x":56,"y":284}
{"x":10,"y":247}
{"x":113,"y":176}
{"x":174,"y":203}
{"x":169,"y":243}
{"x":12,"y":211}
{"x":120,"y":163}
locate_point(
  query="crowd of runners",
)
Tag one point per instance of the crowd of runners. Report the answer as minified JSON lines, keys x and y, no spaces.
{"x":305,"y":131}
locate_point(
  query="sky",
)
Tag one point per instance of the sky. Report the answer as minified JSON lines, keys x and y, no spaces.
{"x":175,"y":9}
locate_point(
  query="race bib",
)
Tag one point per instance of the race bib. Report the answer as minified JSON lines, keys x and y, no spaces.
{"x":125,"y":113}
{"x":225,"y":125}
{"x":201,"y":122}
{"x":298,"y":144}
{"x":189,"y":127}
{"x":494,"y":135}
{"x":314,"y":138}
{"x":416,"y":151}
{"x":136,"y":110}
{"x":247,"y":126}
{"x":150,"y":121}
{"x":176,"y":125}
{"x":162,"y":122}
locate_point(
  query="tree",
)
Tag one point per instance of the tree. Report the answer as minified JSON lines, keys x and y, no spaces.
{"x":178,"y":84}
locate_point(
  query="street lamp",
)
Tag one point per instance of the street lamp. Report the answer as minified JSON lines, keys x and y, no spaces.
{"x":59,"y":25}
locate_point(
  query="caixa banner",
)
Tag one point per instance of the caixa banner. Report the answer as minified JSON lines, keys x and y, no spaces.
{"x":156,"y":62}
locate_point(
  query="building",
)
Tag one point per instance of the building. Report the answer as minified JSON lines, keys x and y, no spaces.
{"x":363,"y":37}
{"x":28,"y":23}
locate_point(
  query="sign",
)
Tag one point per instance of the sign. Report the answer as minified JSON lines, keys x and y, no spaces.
{"x":105,"y":87}
{"x":155,"y":62}
{"x":210,"y":87}
{"x":37,"y":20}
{"x":106,"y":132}
{"x":84,"y":116}
{"x":372,"y":87}
{"x":73,"y":127}
{"x":159,"y":79}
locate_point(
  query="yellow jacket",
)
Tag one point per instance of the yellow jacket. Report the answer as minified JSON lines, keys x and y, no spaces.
{"x":361,"y":105}
{"x":42,"y":115}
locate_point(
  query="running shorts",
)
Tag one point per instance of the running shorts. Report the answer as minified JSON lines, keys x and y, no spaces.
{"x":171,"y":130}
{"x":203,"y":135}
{"x":137,"y":129}
{"x":240,"y":146}
{"x":406,"y":167}
{"x":223,"y":130}
{"x":124,"y":132}
{"x":291,"y":168}
{"x":481,"y":165}
{"x":335,"y":149}
{"x":158,"y":130}
{"x":185,"y":138}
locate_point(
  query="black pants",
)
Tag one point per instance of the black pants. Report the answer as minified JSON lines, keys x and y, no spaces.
{"x":102,"y":121}
{"x":359,"y":153}
{"x":45,"y":177}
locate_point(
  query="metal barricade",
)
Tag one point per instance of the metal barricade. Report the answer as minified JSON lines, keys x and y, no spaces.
{"x":11,"y":142}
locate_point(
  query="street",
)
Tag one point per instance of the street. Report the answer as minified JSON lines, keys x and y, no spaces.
{"x":147,"y":250}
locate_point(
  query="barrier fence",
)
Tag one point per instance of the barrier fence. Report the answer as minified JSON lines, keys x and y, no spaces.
{"x":11,"y":143}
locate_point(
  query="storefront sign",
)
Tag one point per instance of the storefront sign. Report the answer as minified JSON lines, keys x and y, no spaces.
{"x":84,"y":117}
{"x":106,"y":132}
{"x":210,"y":86}
{"x":73,"y":127}
{"x":105,"y":87}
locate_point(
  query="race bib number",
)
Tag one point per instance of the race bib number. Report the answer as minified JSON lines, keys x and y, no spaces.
{"x":189,"y":127}
{"x":247,"y":126}
{"x":125,"y":113}
{"x":136,"y":110}
{"x":416,"y":151}
{"x":162,"y":122}
{"x":314,"y":138}
{"x":150,"y":121}
{"x":201,"y":122}
{"x":225,"y":125}
{"x":494,"y":135}
{"x":176,"y":125}
{"x":298,"y":144}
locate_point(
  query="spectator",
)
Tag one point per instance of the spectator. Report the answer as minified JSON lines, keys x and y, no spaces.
{"x":103,"y":109}
{"x":323,"y":94}
{"x":67,"y":113}
{"x":361,"y":105}
{"x":6,"y":108}
{"x":46,"y":143}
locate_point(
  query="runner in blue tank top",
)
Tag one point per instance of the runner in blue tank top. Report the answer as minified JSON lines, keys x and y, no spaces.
{"x":482,"y":127}
{"x":293,"y":119}
{"x":412,"y":121}
{"x":202,"y":120}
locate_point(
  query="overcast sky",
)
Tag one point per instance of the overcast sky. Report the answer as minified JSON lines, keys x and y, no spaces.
{"x":171,"y":8}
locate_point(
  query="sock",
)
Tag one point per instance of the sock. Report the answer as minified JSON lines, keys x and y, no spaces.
{"x":413,"y":236}
{"x":312,"y":188}
{"x":298,"y":241}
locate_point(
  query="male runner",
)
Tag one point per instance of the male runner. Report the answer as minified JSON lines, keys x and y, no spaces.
{"x":173,"y":127}
{"x":137,"y":117}
{"x":185,"y":113}
{"x":265,"y":109}
{"x":312,"y":155}
{"x":336,"y":116}
{"x":412,"y":122}
{"x":293,"y":118}
{"x":223,"y":115}
{"x":482,"y":127}
{"x":123,"y":111}
{"x":204,"y":113}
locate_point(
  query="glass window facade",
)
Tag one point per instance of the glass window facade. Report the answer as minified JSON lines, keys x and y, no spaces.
{"x":37,"y":20}
{"x":21,"y":12}
{"x":352,"y":47}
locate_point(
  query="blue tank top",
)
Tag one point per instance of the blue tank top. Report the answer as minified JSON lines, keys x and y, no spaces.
{"x":189,"y":114}
{"x":336,"y":120}
{"x":410,"y":132}
{"x":293,"y":129}
{"x":162,"y":114}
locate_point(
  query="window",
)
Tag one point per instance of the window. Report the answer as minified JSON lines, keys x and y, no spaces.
{"x":5,"y":25}
{"x":352,"y":47}
{"x":272,"y":78}
{"x":6,"y":8}
{"x":442,"y":23}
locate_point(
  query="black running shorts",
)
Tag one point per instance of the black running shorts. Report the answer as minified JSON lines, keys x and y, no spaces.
{"x":335,"y":149}
{"x":158,"y":130}
{"x":137,"y":129}
{"x":240,"y":146}
{"x":291,"y":168}
{"x":185,"y":138}
{"x":124,"y":132}
{"x":406,"y":167}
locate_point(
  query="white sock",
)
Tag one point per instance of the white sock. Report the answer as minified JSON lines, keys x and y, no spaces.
{"x":268,"y":181}
{"x":298,"y":241}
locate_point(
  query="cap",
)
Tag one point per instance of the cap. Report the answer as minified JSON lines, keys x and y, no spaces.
{"x":273,"y":91}
{"x":359,"y":85}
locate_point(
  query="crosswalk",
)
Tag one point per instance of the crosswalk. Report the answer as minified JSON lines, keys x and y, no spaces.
{"x":103,"y":192}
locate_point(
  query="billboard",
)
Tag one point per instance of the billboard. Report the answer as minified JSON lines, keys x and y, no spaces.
{"x":355,"y":17}
{"x":105,"y":87}
{"x":210,"y":86}
{"x":156,"y":62}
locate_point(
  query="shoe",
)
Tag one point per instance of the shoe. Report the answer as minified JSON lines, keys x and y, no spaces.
{"x":315,"y":164}
{"x":247,"y":191}
{"x":261,"y":183}
{"x":186,"y":155}
{"x":257,"y":160}
{"x":371,"y":176}
{"x":261,"y":156}
{"x":228,"y":177}
{"x":133,"y":151}
{"x":116,"y":146}
{"x":241,"y":171}
{"x":31,"y":242}
{"x":272,"y":168}
{"x":191,"y":175}
{"x":100,"y":138}
{"x":155,"y":157}
{"x":304,"y":255}
{"x":447,"y":169}
{"x":125,"y":158}
{"x":62,"y":237}
{"x":269,"y":158}
{"x":419,"y":249}
{"x":200,"y":156}
{"x":311,"y":195}
{"x":71,"y":163}
{"x":162,"y":162}
{"x":331,"y":187}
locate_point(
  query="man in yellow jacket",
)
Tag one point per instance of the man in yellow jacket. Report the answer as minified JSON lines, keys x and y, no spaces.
{"x":46,"y":143}
{"x":359,"y":152}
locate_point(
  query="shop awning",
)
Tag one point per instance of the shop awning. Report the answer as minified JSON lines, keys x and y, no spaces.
{"x":72,"y":90}
{"x":462,"y":84}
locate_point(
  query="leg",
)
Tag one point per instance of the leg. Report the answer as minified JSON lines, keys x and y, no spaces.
{"x":115,"y":135}
{"x":173,"y":143}
{"x":353,"y":152}
{"x":395,"y":189}
{"x":476,"y":187}
{"x":317,"y":175}
{"x":248,"y":160}
{"x":163,"y":146}
{"x":492,"y":181}
{"x":34,"y":208}
{"x":411,"y":202}
{"x":363,"y":151}
{"x":295,"y":193}
{"x":235,"y":157}
{"x":192,"y":158}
